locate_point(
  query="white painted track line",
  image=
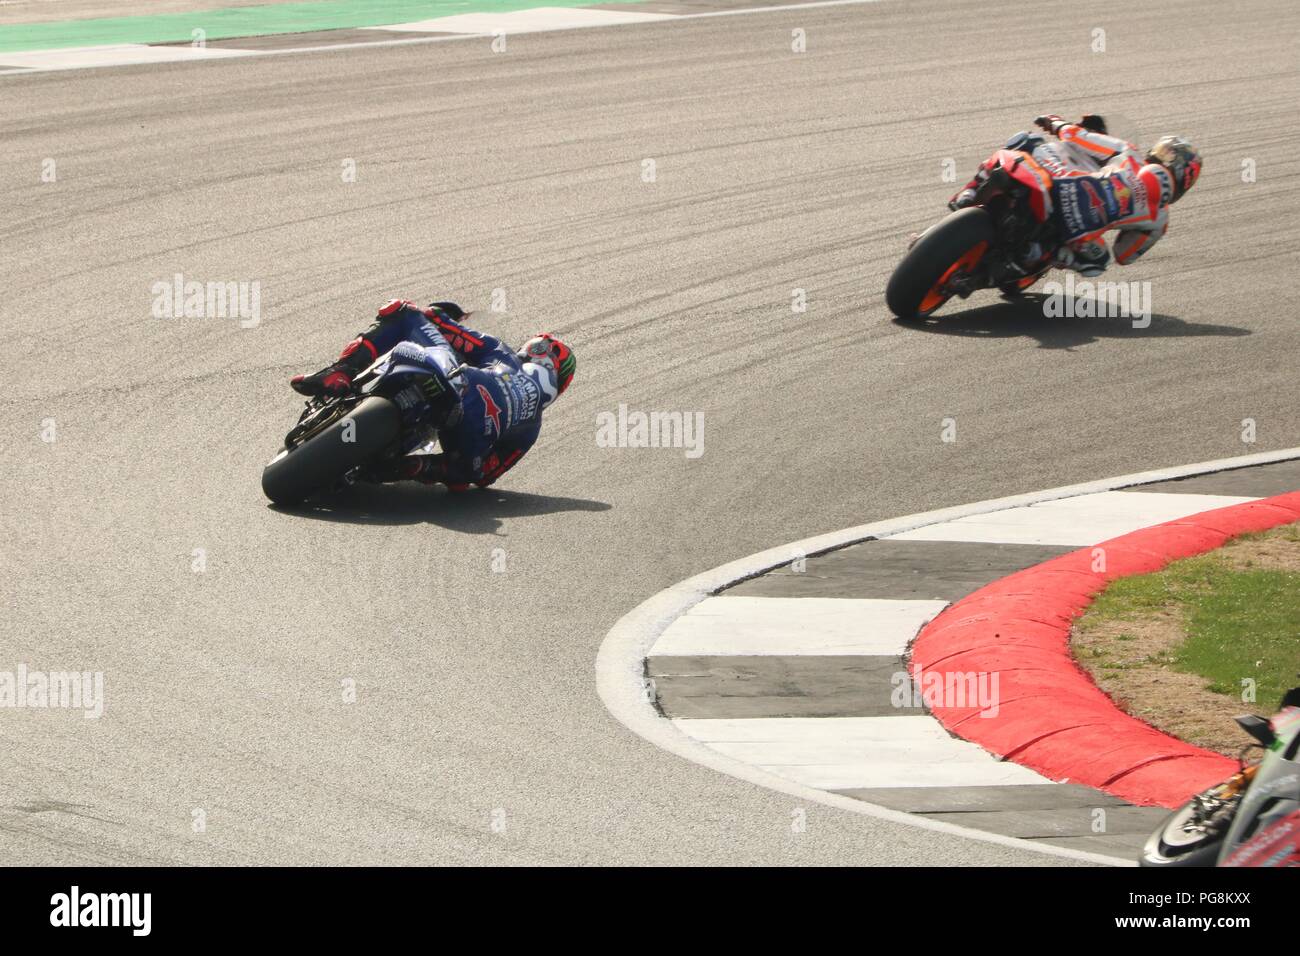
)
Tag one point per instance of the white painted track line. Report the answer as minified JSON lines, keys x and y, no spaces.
{"x":846,"y":753}
{"x":118,"y":54}
{"x":786,"y":626}
{"x":1076,"y":522}
{"x":620,"y":664}
{"x":525,"y":21}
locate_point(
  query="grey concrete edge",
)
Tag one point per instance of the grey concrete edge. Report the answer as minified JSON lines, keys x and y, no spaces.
{"x":620,"y":673}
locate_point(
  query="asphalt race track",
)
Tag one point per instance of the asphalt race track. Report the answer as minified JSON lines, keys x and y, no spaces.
{"x":138,"y":542}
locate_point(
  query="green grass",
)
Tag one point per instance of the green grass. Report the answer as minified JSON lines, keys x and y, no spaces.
{"x":1241,"y":622}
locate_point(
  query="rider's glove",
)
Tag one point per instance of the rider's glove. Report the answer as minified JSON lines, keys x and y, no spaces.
{"x":1094,"y":124}
{"x":1051,"y":122}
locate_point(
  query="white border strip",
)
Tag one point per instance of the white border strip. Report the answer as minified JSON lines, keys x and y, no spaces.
{"x":414,"y":41}
{"x":620,"y":662}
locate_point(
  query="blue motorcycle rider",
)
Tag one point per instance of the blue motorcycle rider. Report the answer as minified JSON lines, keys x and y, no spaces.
{"x":495,"y":397}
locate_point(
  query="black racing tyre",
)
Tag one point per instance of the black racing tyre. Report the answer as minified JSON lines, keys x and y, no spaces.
{"x":1170,"y":846}
{"x":938,"y":250}
{"x":318,"y":463}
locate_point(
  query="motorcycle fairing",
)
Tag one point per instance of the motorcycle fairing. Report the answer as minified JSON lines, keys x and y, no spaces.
{"x":1266,"y":828}
{"x":1025,"y":170}
{"x":413,"y":380}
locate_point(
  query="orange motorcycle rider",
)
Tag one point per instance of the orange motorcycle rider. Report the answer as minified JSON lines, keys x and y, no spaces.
{"x":1100,"y":183}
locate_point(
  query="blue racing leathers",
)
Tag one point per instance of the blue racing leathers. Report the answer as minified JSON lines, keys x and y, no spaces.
{"x":501,"y":397}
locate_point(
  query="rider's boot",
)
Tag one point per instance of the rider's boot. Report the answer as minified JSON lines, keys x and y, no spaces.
{"x":966,"y":195}
{"x":963,"y":199}
{"x":337,"y":378}
{"x":429,"y":469}
{"x":1088,"y":258}
{"x":407,"y":468}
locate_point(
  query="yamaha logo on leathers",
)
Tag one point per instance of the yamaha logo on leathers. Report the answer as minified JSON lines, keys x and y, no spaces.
{"x":541,"y":381}
{"x":525,"y":391}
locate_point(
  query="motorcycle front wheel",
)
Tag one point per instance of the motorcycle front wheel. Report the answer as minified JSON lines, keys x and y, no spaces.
{"x":1173,"y":845}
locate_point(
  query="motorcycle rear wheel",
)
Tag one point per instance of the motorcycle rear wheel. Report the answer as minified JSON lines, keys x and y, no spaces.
{"x":955,"y":244}
{"x":322,"y":460}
